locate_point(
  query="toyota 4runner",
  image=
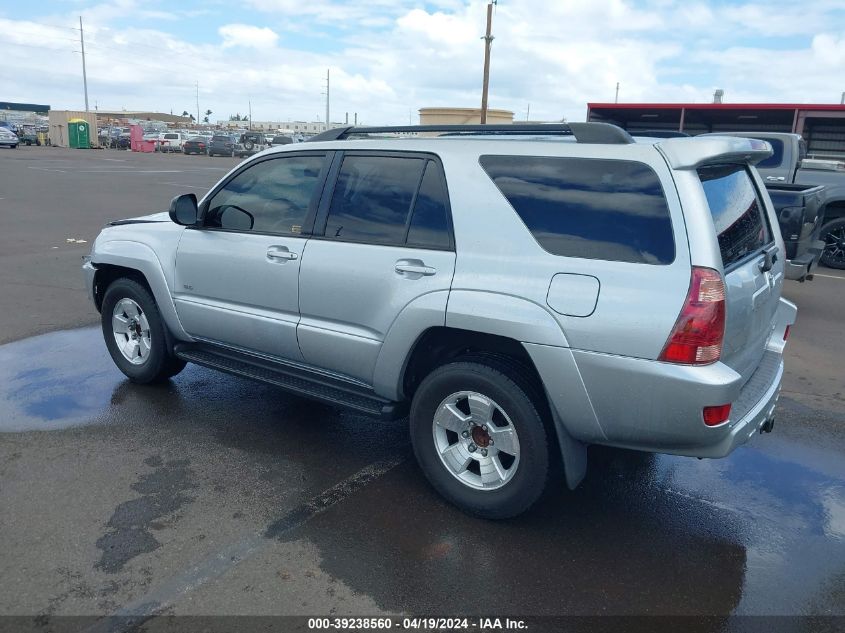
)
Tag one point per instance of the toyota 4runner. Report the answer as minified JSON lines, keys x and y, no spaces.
{"x":518,"y":292}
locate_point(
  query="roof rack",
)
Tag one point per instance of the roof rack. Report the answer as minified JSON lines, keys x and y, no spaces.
{"x":601,"y":133}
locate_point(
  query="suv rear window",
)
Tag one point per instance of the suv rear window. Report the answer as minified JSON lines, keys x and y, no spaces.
{"x":590,"y":208}
{"x":736,"y":210}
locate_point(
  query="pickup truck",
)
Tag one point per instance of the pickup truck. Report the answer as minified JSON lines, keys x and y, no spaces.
{"x":789,"y":165}
{"x":800,"y":215}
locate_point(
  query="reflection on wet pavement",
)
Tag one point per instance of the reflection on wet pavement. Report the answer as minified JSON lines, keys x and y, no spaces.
{"x":55,"y":380}
{"x":762,"y":531}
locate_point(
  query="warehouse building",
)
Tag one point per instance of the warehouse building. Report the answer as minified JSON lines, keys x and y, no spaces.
{"x":821,"y":125}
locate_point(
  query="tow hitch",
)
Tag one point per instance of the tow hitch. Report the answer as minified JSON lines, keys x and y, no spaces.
{"x":768,"y":425}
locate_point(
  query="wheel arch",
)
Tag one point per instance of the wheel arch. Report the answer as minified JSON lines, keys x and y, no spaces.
{"x":442,"y":344}
{"x":121,"y":258}
{"x":834,"y":210}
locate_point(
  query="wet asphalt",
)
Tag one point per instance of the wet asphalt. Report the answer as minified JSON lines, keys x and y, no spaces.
{"x":215,"y":495}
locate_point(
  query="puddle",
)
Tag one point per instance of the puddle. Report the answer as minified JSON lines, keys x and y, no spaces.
{"x":55,"y":380}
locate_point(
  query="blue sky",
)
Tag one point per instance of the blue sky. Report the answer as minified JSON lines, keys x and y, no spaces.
{"x":390,"y":57}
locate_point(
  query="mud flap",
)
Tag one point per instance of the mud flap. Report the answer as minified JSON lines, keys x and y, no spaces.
{"x":574,"y":454}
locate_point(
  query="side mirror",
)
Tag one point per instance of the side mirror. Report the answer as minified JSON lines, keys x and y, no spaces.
{"x":183,"y":209}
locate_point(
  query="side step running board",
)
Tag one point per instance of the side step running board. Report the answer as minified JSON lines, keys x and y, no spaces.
{"x":294,"y":379}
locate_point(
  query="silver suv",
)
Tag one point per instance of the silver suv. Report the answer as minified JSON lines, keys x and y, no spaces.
{"x":519,"y":292}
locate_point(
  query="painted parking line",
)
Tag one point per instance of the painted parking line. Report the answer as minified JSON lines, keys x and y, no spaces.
{"x":829,"y":276}
{"x":171,"y":590}
{"x":179,"y":184}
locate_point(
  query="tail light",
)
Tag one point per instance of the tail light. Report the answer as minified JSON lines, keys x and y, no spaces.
{"x":699,"y":331}
{"x":786,"y":333}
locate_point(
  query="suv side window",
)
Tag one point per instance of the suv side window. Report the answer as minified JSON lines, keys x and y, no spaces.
{"x":429,"y":226}
{"x":587,"y":207}
{"x":372,"y":199}
{"x":274,"y":194}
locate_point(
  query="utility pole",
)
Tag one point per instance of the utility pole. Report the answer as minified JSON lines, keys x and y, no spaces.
{"x":249,"y":123}
{"x":198,"y":102}
{"x":84,"y":75}
{"x":488,"y":40}
{"x":528,"y":113}
{"x":327,"y":99}
{"x":616,"y":100}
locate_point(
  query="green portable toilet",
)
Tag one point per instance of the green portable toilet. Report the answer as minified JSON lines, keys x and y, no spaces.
{"x":77,"y":132}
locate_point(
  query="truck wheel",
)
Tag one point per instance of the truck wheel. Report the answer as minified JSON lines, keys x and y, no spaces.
{"x":480,"y":439}
{"x":135,"y":334}
{"x":833,"y":234}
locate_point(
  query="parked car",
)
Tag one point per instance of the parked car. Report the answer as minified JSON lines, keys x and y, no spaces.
{"x":8,"y":138}
{"x":789,"y":165}
{"x":123,"y":141}
{"x":250,"y":143}
{"x":195,"y":145}
{"x":170,"y":141}
{"x":28,"y":137}
{"x":222,"y":145}
{"x":280,"y":139}
{"x":521,"y":298}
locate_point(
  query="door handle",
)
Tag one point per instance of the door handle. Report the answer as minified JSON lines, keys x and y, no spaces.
{"x":414,"y":267}
{"x":775,"y":178}
{"x":280,"y":253}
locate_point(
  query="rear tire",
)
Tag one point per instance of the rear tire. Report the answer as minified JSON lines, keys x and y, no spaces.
{"x":135,"y":333}
{"x":480,"y":402}
{"x":833,"y":234}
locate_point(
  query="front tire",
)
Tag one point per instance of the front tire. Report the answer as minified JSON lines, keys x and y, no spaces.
{"x":135,"y":333}
{"x":480,"y":439}
{"x":833,"y":234}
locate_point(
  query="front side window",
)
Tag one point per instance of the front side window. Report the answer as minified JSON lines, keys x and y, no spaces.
{"x":736,"y":210}
{"x":372,"y":199}
{"x":272,"y":196}
{"x":590,"y":208}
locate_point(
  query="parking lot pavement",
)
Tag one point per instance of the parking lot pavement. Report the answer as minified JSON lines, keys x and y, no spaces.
{"x":50,"y":195}
{"x":215,"y":495}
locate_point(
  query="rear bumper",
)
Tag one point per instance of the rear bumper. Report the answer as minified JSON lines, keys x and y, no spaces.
{"x":801,"y":267}
{"x":654,"y":406}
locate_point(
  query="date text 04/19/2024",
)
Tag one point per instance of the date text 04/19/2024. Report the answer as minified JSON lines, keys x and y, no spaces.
{"x":417,"y":624}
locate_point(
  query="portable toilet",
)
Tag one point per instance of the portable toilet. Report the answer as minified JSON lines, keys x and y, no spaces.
{"x":78,"y":132}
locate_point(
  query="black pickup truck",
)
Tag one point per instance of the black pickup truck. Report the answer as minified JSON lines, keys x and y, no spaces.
{"x":800,"y":215}
{"x":789,"y":165}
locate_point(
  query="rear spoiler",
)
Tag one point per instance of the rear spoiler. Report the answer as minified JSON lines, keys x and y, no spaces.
{"x":691,"y":153}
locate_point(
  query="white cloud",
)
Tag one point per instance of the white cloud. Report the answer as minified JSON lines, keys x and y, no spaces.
{"x":389,"y":57}
{"x":248,"y":36}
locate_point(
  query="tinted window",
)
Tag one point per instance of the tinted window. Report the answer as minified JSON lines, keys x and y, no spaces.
{"x":372,"y":198}
{"x":737,"y":212}
{"x":590,"y":208}
{"x":429,"y":224}
{"x":777,"y":156}
{"x":276,"y":193}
